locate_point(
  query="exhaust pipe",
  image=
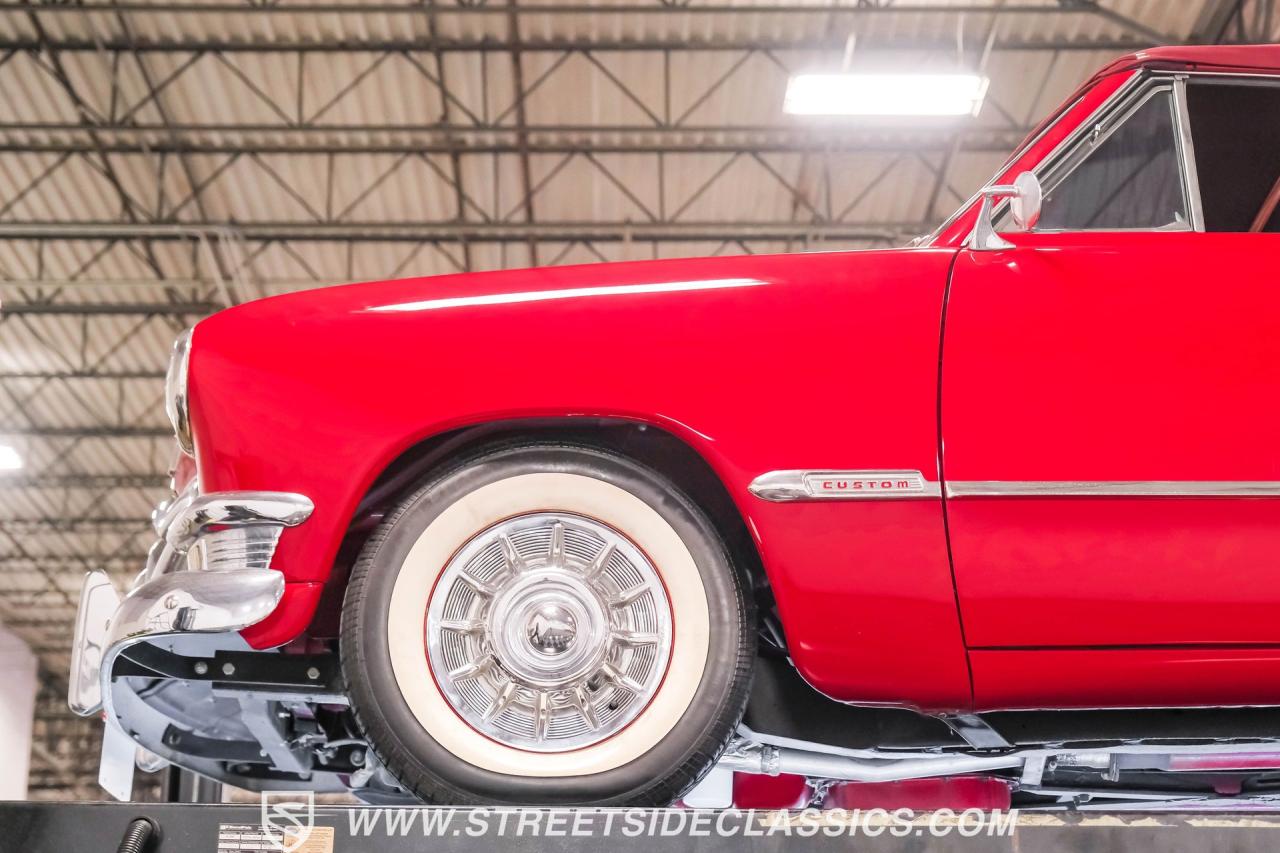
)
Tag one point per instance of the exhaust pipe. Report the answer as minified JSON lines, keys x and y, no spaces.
{"x":751,"y":753}
{"x":750,"y":757}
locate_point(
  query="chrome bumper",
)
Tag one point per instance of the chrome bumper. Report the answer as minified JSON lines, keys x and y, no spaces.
{"x":207,"y":573}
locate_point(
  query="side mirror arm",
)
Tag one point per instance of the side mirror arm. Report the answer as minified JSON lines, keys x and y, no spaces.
{"x":1026,"y":197}
{"x":984,"y":238}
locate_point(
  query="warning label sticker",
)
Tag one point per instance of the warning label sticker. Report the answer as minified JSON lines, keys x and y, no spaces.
{"x":243,"y":837}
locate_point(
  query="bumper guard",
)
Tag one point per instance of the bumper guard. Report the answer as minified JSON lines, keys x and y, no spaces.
{"x":207,"y":573}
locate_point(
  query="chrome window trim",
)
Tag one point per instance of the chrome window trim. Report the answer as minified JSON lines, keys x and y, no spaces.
{"x":1057,"y":167}
{"x":1118,"y":103}
{"x":803,"y":484}
{"x":1187,"y":152}
{"x":1063,"y":149}
{"x":1085,"y":126}
{"x":1143,"y":77}
{"x":1004,"y":167}
{"x":1171,"y":228}
{"x":1063,"y":161}
{"x":1248,"y":78}
{"x":1113,"y":488}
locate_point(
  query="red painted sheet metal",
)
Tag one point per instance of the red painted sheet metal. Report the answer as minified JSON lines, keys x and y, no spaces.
{"x":757,"y":791}
{"x":1125,"y":678}
{"x":758,"y":363}
{"x":958,"y":793}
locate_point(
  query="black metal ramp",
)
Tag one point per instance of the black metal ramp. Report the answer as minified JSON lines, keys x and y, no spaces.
{"x":93,"y":827}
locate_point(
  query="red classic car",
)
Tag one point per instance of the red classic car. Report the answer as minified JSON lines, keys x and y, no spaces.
{"x":588,"y":535}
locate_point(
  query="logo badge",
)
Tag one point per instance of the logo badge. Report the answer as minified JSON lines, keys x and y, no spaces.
{"x":551,"y":629}
{"x":858,"y":483}
{"x":287,"y":818}
{"x":829,"y":485}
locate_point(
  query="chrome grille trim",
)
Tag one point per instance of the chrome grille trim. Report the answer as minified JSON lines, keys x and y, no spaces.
{"x":220,"y":531}
{"x":235,"y":548}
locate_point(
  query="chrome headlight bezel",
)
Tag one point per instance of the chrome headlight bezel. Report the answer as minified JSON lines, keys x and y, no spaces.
{"x":175,"y":392}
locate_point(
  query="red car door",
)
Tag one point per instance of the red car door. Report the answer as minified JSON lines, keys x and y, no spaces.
{"x":1110,"y":415}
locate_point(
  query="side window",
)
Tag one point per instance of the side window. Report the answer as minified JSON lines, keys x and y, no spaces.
{"x":1235,"y":125}
{"x":1129,"y":178}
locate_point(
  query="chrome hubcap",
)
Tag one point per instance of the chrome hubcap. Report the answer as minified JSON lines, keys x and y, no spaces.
{"x":549,"y":631}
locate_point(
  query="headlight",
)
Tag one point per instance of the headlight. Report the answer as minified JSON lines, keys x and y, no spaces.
{"x":175,"y":392}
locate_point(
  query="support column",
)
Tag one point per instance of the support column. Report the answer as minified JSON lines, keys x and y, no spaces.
{"x":17,"y":708}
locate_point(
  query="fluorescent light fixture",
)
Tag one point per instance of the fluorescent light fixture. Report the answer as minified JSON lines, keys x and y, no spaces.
{"x":9,"y":458}
{"x":885,"y":94}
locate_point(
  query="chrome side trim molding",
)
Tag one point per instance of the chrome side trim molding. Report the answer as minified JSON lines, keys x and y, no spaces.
{"x":1113,"y":488}
{"x":822,"y":485}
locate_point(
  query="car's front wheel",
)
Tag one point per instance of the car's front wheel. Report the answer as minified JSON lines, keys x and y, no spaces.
{"x":547,"y":624}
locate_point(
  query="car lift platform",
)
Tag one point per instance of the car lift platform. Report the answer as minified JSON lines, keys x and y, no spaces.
{"x":52,"y":827}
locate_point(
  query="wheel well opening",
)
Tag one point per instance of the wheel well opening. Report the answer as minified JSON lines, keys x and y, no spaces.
{"x":642,"y":443}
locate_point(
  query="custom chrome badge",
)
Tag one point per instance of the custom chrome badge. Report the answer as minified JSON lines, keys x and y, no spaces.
{"x":842,"y":485}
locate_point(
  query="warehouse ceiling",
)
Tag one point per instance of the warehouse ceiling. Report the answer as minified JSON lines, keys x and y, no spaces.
{"x":161,"y":160}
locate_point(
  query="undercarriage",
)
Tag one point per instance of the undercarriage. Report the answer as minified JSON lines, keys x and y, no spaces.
{"x":281,"y":721}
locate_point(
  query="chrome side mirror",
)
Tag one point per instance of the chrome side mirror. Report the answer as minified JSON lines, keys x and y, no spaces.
{"x":1025,"y":197}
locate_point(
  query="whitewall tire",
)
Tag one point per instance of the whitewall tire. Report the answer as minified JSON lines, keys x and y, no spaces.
{"x":547,"y":624}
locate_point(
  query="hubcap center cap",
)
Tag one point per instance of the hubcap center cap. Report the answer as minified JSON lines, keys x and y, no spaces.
{"x":551,"y":629}
{"x":548,"y":627}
